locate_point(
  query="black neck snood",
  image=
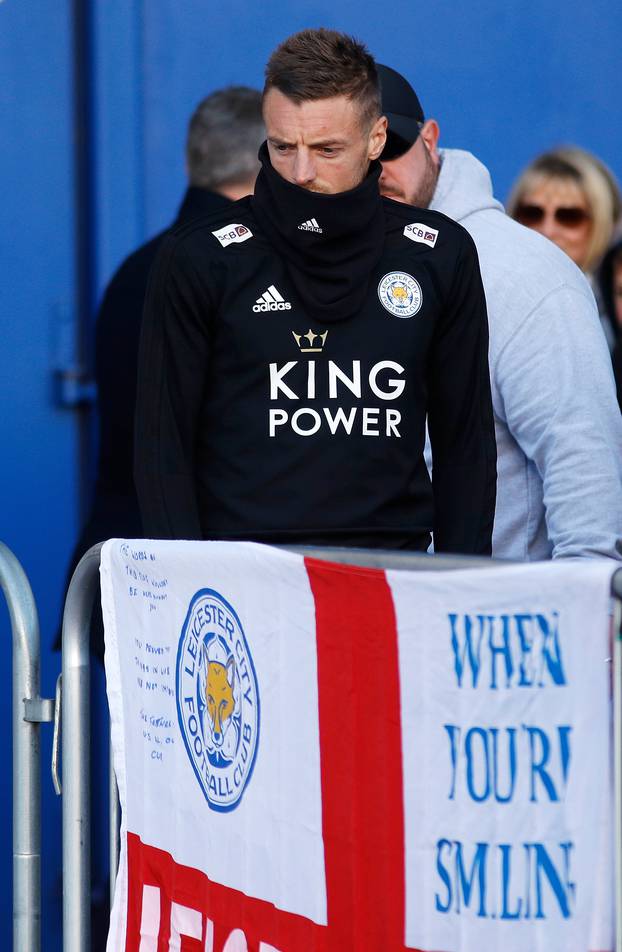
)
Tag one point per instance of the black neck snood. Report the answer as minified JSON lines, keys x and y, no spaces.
{"x":330,"y":268}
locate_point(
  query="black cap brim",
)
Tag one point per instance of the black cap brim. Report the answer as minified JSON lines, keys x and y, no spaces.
{"x":401,"y":106}
{"x":397,"y":144}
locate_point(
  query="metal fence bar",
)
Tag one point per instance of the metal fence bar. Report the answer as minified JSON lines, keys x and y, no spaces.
{"x":113,"y":827}
{"x":616,"y":586}
{"x":617,"y":765}
{"x":26,"y":762}
{"x":394,"y":559}
{"x":76,"y":755}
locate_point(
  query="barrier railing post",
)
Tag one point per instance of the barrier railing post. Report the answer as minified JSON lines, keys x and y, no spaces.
{"x":76,"y":755}
{"x":616,"y":587}
{"x":29,"y":710}
{"x":113,"y":827}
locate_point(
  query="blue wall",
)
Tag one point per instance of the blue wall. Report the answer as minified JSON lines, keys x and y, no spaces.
{"x":38,"y":317}
{"x":505,"y":80}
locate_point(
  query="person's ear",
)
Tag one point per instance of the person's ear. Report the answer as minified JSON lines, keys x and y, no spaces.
{"x":377,"y":138}
{"x":430,"y":133}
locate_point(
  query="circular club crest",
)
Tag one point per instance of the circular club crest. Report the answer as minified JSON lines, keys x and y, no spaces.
{"x":217,"y":699}
{"x":400,"y":294}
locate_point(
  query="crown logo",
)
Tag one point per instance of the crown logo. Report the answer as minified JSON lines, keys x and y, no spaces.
{"x":315,"y":342}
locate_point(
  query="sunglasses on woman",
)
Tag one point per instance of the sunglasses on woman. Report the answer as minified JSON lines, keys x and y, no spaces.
{"x":570,"y":216}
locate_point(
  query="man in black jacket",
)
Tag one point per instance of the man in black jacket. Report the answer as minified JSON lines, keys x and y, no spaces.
{"x":294,"y":343}
{"x":224,"y":134}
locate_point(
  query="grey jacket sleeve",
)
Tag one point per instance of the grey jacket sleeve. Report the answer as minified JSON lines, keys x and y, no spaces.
{"x":554,"y":388}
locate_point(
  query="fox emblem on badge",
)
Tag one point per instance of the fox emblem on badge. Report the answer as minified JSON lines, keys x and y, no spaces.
{"x":400,"y":294}
{"x":220,"y":703}
{"x":217,"y":699}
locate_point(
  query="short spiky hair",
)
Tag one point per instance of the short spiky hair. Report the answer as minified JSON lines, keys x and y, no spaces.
{"x":319,"y":64}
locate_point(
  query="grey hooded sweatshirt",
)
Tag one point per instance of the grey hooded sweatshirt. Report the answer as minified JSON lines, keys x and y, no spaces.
{"x":557,"y":422}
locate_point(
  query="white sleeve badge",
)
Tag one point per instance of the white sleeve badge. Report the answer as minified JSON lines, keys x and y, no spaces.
{"x":232,"y":234}
{"x":421,"y":233}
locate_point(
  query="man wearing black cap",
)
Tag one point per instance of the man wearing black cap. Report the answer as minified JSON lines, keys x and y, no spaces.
{"x":558,"y":428}
{"x":407,"y":126}
{"x":294,"y":343}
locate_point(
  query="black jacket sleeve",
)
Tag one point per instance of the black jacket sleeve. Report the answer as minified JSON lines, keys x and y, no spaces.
{"x":172,"y":370}
{"x":460,"y":416}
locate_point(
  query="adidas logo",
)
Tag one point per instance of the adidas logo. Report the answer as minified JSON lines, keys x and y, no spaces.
{"x":271,"y":300}
{"x":310,"y":225}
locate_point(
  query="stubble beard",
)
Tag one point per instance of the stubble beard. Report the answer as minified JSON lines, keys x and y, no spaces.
{"x":423,"y":193}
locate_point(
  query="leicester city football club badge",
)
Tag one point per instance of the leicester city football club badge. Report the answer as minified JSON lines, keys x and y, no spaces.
{"x":400,"y":294}
{"x":217,"y":699}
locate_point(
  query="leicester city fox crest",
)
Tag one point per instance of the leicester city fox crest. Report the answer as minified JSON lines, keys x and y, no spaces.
{"x":400,"y":294}
{"x":217,"y":699}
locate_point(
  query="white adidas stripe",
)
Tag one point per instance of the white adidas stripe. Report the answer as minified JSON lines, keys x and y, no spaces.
{"x":272,"y":299}
{"x":275,"y":294}
{"x":311,"y":224}
{"x":271,"y":296}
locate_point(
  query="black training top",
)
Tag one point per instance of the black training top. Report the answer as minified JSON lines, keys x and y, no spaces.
{"x":292,"y":346}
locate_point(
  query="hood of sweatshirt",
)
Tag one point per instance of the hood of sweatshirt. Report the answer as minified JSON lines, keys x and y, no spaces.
{"x":464,"y":186}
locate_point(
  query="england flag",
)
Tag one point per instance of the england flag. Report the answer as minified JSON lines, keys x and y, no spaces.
{"x":314,"y":757}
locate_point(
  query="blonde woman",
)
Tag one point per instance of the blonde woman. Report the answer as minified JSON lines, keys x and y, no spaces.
{"x":571,"y":197}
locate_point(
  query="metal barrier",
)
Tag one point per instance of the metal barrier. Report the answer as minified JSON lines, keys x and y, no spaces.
{"x":29,"y":711}
{"x":76,"y":721}
{"x":616,"y":590}
{"x":76,"y":715}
